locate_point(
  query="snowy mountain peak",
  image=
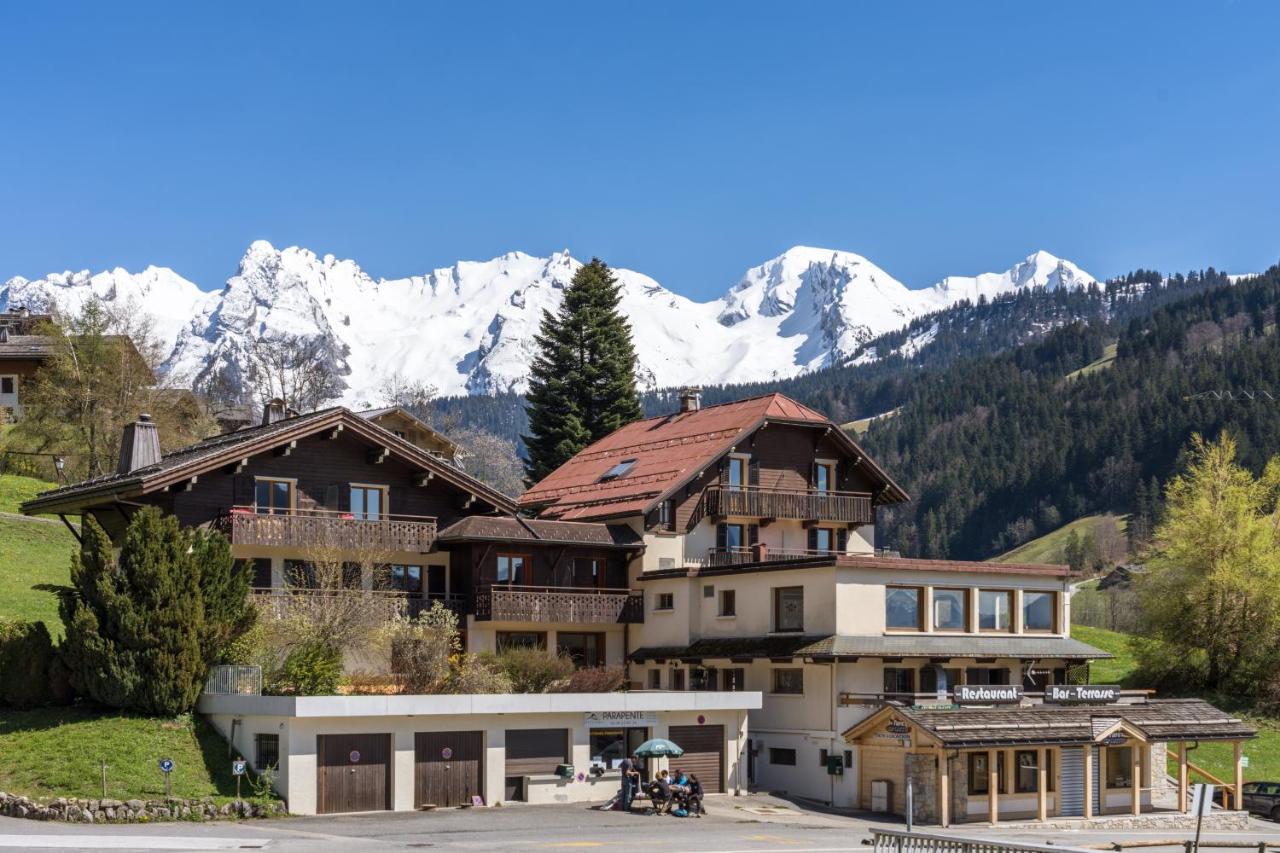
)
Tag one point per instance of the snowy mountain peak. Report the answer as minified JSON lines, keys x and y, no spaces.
{"x":470,"y":327}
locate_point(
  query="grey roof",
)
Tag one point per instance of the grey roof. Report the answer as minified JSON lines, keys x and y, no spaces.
{"x":1158,"y":719}
{"x":875,"y":646}
{"x":26,"y":346}
{"x":479,"y":528}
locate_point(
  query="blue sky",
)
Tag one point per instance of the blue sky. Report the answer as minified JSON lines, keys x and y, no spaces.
{"x":688,"y":141}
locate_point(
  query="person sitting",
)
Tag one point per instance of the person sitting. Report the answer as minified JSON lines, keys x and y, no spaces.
{"x":660,"y":793}
{"x":695,"y":796}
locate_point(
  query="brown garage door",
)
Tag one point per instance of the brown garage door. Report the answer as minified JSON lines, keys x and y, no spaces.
{"x":353,"y":773}
{"x":703,"y":754}
{"x":448,"y":768}
{"x":531,"y":752}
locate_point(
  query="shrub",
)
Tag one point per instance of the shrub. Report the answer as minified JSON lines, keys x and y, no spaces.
{"x":313,"y":668}
{"x":479,"y":674}
{"x":423,"y":650}
{"x":593,"y":679}
{"x":371,"y":684}
{"x":30,"y":673}
{"x":533,"y":670}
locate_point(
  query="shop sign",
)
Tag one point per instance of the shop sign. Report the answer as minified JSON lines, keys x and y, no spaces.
{"x":987,"y":694}
{"x":1073,"y":693}
{"x":619,"y":719}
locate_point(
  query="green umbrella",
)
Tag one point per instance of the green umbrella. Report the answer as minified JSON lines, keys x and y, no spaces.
{"x":659,"y":747}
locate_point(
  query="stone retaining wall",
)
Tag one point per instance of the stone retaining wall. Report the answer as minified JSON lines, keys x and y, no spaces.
{"x":132,"y":811}
{"x":1217,"y":820}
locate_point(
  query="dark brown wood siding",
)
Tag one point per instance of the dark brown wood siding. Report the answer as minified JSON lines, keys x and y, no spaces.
{"x":452,"y":780}
{"x":551,"y":565}
{"x":536,"y":751}
{"x":353,"y":773}
{"x":703,"y":754}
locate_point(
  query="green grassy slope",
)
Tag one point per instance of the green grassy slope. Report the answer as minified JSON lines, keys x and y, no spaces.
{"x":14,"y":490}
{"x":1108,"y":357}
{"x":31,"y":553}
{"x":57,"y":752}
{"x":1121,"y":667}
{"x":1049,"y":547}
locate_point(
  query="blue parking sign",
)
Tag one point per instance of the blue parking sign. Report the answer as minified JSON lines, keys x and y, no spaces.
{"x":237,"y":768}
{"x":166,"y":765}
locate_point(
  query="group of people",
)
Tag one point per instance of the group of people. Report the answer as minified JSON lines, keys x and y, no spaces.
{"x":675,"y":793}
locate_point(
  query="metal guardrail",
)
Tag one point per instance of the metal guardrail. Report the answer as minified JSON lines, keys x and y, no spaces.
{"x":904,"y":841}
{"x":234,"y":680}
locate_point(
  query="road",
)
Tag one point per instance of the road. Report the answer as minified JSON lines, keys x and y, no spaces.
{"x":754,"y":824}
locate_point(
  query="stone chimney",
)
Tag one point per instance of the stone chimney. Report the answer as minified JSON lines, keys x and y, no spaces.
{"x":140,"y":446}
{"x":274,"y":411}
{"x":690,"y":399}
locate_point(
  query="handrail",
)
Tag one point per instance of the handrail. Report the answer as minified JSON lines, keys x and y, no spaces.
{"x":324,"y":512}
{"x":898,"y":841}
{"x":1228,"y":788}
{"x":601,"y":590}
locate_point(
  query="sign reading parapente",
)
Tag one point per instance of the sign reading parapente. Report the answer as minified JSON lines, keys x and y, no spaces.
{"x":619,"y":719}
{"x":987,"y":694}
{"x":1065,"y":693}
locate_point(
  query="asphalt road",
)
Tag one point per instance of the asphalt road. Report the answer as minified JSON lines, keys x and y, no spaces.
{"x":735,"y":825}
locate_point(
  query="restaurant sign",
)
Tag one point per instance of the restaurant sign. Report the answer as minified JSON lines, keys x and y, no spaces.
{"x":1077,"y":693}
{"x":619,"y":719}
{"x":987,"y":694}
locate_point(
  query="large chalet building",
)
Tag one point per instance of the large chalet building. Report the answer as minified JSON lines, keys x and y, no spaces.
{"x":714,"y":550}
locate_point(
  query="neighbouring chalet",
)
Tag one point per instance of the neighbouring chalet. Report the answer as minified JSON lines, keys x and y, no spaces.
{"x":759,"y":572}
{"x":22,"y":352}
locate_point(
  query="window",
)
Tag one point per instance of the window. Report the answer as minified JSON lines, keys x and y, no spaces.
{"x":368,"y":503}
{"x":6,"y":385}
{"x":677,"y":679}
{"x":667,"y":515}
{"x":734,"y":679}
{"x":899,"y":680}
{"x":511,"y":568}
{"x":617,"y":471}
{"x":588,"y":572}
{"x":824,"y":477}
{"x":824,"y":539}
{"x":586,"y":649}
{"x":734,"y":536}
{"x":266,"y":751}
{"x":406,"y":578}
{"x":665,"y":563}
{"x":822,"y":758}
{"x":936,"y":678}
{"x":1119,"y":766}
{"x":664,"y":601}
{"x":655,"y":679}
{"x":273,"y":497}
{"x":708,"y":591}
{"x":980,"y":771}
{"x":736,"y":473}
{"x":902,"y":608}
{"x":788,"y":681}
{"x":1039,"y":611}
{"x":788,"y":608}
{"x":1025,"y":780}
{"x":521,"y":640}
{"x":778,"y":755}
{"x":703,"y":678}
{"x":994,"y":607}
{"x":728,"y":603}
{"x":986,"y":675}
{"x":950,"y":610}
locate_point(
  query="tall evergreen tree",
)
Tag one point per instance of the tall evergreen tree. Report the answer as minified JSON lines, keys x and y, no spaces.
{"x":582,"y":382}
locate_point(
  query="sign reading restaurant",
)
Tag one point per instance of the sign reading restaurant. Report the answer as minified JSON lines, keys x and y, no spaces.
{"x":1067,"y":693}
{"x":987,"y":694}
{"x":619,"y":719}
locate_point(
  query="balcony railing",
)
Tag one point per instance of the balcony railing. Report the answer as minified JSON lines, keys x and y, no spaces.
{"x":803,"y":505}
{"x":599,"y":606}
{"x":330,"y":529}
{"x":386,"y":604}
{"x":1029,"y":697}
{"x":719,"y":557}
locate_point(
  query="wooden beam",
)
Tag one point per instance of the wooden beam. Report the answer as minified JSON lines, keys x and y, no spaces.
{"x":185,"y":485}
{"x":376,"y":455}
{"x":237,"y":467}
{"x":1088,"y":781}
{"x":1135,"y":771}
{"x":335,"y":432}
{"x":1238,"y":793}
{"x":422,"y":478}
{"x":1042,"y":784}
{"x":993,"y":786}
{"x":286,"y":449}
{"x":1182,"y":776}
{"x":944,"y":788}
{"x":71,"y":527}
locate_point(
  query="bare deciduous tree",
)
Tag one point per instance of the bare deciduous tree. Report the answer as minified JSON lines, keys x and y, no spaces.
{"x":301,"y":371}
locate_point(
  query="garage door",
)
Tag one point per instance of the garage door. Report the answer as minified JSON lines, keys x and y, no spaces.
{"x":533,"y":752}
{"x":448,"y":768}
{"x":703,"y":754}
{"x":353,"y":773}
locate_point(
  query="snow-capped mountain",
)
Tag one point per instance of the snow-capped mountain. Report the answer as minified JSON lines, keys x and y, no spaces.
{"x":469,"y":328}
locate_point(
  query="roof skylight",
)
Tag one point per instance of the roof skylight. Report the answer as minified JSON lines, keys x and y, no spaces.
{"x":617,"y":471}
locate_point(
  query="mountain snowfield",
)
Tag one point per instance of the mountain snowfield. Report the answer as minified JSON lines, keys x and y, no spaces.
{"x":469,"y":328}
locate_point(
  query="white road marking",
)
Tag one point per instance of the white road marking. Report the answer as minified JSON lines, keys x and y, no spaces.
{"x":75,"y":841}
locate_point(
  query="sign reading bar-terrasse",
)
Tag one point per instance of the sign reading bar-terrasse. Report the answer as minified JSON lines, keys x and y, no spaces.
{"x":619,"y":719}
{"x":987,"y":694}
{"x":1064,"y":693}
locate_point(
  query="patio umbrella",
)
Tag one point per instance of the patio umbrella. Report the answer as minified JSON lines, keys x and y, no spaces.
{"x":659,"y":747}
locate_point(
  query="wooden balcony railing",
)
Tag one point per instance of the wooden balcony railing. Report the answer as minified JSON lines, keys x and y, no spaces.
{"x":387,"y":604}
{"x":603,"y":606}
{"x":329,"y":529}
{"x":802,"y":505}
{"x":719,"y":557}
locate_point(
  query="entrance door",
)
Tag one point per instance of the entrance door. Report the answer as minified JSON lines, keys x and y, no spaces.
{"x":533,"y":752}
{"x":353,"y":773}
{"x":703,"y":754}
{"x":448,"y":768}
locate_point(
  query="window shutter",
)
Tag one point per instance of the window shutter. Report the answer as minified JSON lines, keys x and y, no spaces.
{"x":813,"y":475}
{"x":722,"y":537}
{"x":753,"y":473}
{"x":344,"y":497}
{"x":396,"y":500}
{"x":753,"y":534}
{"x":331,"y":496}
{"x":813,"y":538}
{"x":842,"y":539}
{"x":242,"y":490}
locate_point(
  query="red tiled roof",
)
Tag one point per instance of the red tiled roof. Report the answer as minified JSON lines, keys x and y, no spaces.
{"x":668,"y":451}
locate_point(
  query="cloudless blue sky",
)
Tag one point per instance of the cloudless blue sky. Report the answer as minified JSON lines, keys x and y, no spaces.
{"x":686,"y":140}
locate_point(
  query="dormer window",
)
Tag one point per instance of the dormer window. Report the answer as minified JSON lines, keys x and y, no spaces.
{"x":618,"y":470}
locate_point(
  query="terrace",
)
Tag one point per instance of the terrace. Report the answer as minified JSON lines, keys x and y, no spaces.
{"x":328,"y":528}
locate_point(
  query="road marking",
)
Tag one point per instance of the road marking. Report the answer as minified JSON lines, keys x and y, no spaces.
{"x":858,"y":849}
{"x":76,"y":841}
{"x":574,"y":844}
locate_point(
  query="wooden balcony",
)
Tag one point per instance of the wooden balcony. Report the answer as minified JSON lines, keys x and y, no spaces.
{"x":387,"y":604}
{"x":304,"y":529}
{"x":802,"y":505}
{"x":605,"y":606}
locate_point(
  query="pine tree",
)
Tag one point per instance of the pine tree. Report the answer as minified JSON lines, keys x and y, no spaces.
{"x":582,"y":382}
{"x":143,"y":627}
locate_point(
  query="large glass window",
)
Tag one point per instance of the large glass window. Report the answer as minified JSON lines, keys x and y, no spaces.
{"x":789,"y":681}
{"x":994,"y":609}
{"x":610,"y":746}
{"x":406,"y":578}
{"x":1039,"y":610}
{"x":788,"y":608}
{"x":511,"y":568}
{"x":586,"y":649}
{"x":902,"y":607}
{"x":368,"y":503}
{"x":273,"y":497}
{"x":824,"y":477}
{"x":1119,"y":767}
{"x":736,"y":476}
{"x":950,"y":610}
{"x":980,"y":771}
{"x":1026,"y":771}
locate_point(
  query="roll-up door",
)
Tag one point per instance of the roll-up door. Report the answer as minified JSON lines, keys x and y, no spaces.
{"x":703,"y":754}
{"x":533,"y":752}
